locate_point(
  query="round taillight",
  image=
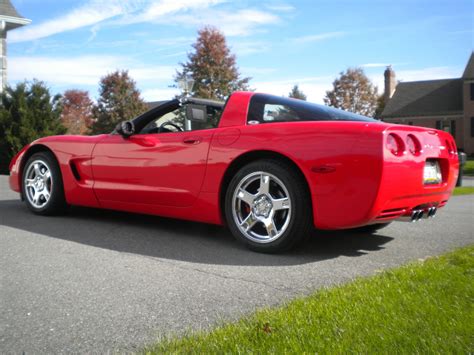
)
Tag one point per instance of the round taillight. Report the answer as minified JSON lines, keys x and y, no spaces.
{"x":413,"y":145}
{"x":395,"y":144}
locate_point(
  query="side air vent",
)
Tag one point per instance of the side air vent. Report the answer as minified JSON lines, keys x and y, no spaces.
{"x":74,"y":171}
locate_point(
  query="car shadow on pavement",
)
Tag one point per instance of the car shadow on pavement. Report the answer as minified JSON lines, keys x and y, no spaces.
{"x":178,"y":240}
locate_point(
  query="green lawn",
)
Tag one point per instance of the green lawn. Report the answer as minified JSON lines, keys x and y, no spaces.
{"x":424,"y":307}
{"x":463,"y":190}
{"x":469,"y":167}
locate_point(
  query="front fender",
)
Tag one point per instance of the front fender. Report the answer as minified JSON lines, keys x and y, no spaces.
{"x":15,"y":169}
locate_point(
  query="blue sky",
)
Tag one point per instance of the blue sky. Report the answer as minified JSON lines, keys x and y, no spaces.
{"x":71,"y":44}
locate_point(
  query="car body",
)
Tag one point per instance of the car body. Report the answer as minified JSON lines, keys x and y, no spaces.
{"x":354,"y":171}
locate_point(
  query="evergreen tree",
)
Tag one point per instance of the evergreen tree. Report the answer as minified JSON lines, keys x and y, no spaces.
{"x":119,"y":101}
{"x":354,"y":92}
{"x":76,"y":113}
{"x":212,"y":67}
{"x":296,"y":93}
{"x":27,"y":112}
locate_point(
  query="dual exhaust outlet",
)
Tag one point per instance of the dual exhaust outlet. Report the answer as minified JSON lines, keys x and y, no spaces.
{"x":418,"y":214}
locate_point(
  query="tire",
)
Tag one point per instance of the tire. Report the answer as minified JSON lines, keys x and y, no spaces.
{"x":268,"y":207}
{"x":371,"y":228}
{"x":42,"y":177}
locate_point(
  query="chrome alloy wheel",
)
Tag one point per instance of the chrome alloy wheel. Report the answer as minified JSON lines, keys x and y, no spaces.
{"x":38,"y":183}
{"x":261,"y":207}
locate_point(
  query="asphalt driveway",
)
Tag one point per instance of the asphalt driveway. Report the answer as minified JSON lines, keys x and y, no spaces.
{"x":100,"y":280}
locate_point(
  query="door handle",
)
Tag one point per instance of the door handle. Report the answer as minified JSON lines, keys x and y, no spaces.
{"x":192,"y":140}
{"x":144,"y":141}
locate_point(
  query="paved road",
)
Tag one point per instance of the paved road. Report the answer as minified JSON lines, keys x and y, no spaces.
{"x":99,"y":280}
{"x":468,"y":181}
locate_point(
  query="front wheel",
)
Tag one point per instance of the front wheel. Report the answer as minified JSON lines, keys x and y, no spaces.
{"x":42,"y":185}
{"x":268,"y":207}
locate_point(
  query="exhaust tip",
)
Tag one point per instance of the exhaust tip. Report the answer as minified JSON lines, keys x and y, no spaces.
{"x":416,"y":215}
{"x":420,"y":214}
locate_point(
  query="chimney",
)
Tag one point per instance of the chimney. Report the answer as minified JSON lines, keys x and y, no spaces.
{"x":390,"y":83}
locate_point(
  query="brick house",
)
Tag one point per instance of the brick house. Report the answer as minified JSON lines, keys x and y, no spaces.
{"x":446,"y":104}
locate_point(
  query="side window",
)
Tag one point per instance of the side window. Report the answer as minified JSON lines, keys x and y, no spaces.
{"x":211,"y":120}
{"x":278,"y":113}
{"x":176,"y":117}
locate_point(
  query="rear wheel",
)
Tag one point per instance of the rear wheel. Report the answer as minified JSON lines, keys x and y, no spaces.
{"x":267,"y":206}
{"x":42,"y":185}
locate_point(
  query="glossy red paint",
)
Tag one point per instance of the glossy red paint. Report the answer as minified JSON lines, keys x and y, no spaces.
{"x":353,"y":177}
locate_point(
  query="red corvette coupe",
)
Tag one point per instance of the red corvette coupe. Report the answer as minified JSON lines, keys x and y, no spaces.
{"x":269,"y":167}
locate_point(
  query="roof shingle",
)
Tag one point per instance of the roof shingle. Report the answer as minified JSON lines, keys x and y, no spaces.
{"x":7,"y":9}
{"x":424,"y":98}
{"x":469,"y":71}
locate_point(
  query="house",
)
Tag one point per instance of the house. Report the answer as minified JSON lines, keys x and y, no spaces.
{"x":446,"y":104}
{"x":9,"y":20}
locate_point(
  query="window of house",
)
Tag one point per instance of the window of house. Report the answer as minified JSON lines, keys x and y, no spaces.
{"x":453,"y":128}
{"x":472,"y":91}
{"x":472,"y":126}
{"x":439,"y":125}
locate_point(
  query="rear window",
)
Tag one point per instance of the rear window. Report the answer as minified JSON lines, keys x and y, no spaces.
{"x":267,"y":109}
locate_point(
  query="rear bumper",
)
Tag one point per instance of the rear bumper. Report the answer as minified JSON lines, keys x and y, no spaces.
{"x":411,"y":209}
{"x":402,"y":190}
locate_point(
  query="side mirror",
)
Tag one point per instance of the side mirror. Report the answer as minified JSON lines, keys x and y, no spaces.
{"x":125,"y":129}
{"x":196,"y":113}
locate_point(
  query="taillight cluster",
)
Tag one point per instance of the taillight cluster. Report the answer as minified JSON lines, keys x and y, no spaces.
{"x":413,"y":144}
{"x":451,"y":147}
{"x":397,"y":146}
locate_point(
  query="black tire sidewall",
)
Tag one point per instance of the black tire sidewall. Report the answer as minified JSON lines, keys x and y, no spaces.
{"x":56,"y":201}
{"x":300,"y":220}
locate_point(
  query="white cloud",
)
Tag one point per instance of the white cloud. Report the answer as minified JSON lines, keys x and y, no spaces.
{"x":158,"y":9}
{"x":280,"y":7}
{"x":159,"y":94}
{"x":85,"y":70}
{"x":232,"y":23}
{"x":172,"y":41}
{"x":91,"y":13}
{"x":313,"y":87}
{"x":430,"y":73}
{"x":97,"y":11}
{"x":250,"y":71}
{"x":374,"y":65}
{"x":243,"y":48}
{"x":318,"y":37}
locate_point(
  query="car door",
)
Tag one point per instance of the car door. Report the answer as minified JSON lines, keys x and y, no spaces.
{"x":164,"y":169}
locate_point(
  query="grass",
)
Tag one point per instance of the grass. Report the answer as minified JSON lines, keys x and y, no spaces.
{"x":424,"y":307}
{"x":469,"y":167}
{"x":463,"y":190}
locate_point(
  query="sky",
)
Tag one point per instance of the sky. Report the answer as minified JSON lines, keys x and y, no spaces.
{"x":71,"y":44}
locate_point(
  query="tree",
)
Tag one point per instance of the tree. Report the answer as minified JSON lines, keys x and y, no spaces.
{"x":27,"y":112}
{"x":296,"y":93}
{"x":380,"y":106}
{"x":353,"y":91}
{"x":212,"y":66}
{"x":119,"y":100}
{"x":76,"y":113}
